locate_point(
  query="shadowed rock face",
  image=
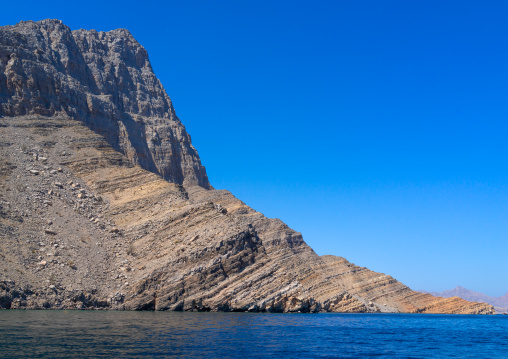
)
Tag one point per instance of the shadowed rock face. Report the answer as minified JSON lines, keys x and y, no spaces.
{"x":83,"y":226}
{"x":103,"y":79}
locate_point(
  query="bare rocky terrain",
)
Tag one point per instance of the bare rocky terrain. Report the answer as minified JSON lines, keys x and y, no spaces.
{"x":500,"y":303}
{"x":104,"y":202}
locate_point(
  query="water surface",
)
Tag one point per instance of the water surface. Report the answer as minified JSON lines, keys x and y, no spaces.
{"x":110,"y":334}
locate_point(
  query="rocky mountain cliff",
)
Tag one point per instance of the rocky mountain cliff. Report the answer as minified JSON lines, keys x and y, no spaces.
{"x":104,"y":202}
{"x":105,"y":80}
{"x":500,"y":303}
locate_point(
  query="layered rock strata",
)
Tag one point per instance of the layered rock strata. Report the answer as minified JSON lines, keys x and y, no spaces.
{"x":83,"y":225}
{"x":500,"y":303}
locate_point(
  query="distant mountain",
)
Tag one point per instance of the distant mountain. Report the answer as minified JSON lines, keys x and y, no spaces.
{"x":499,"y":303}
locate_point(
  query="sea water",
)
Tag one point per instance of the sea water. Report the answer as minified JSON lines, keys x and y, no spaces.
{"x":110,"y":334}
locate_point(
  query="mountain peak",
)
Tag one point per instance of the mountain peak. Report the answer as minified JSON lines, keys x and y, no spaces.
{"x":104,"y":79}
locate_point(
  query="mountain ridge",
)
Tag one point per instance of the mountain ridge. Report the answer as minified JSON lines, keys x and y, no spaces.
{"x":106,"y":80}
{"x":500,"y":303}
{"x":104,"y":202}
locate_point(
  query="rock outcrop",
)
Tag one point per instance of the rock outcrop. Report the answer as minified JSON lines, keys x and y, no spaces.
{"x":105,"y":80}
{"x":500,"y":303}
{"x":104,"y":202}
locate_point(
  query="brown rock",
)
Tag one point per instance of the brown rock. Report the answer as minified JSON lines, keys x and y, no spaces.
{"x":195,"y":248}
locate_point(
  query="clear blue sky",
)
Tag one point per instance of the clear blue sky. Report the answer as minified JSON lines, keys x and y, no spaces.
{"x":378,"y":129}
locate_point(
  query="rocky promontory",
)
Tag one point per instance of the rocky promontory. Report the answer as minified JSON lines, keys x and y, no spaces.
{"x":500,"y":304}
{"x":104,"y":202}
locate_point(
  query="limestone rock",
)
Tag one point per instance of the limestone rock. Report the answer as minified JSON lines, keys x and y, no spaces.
{"x":500,"y":303}
{"x":103,"y":79}
{"x":148,"y":237}
{"x":149,"y":244}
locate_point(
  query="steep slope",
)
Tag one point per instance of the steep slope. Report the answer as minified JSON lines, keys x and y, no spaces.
{"x":500,"y":303}
{"x":82,"y":225}
{"x":103,"y":79}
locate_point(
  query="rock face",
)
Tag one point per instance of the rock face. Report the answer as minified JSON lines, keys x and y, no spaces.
{"x":103,"y":79}
{"x":83,"y":225}
{"x":500,"y":303}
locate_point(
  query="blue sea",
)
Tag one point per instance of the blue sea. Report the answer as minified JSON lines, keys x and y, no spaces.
{"x":110,"y":334}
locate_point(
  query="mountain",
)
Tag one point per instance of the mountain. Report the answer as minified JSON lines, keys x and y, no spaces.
{"x":104,"y":202}
{"x":106,"y":81}
{"x":500,"y":303}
